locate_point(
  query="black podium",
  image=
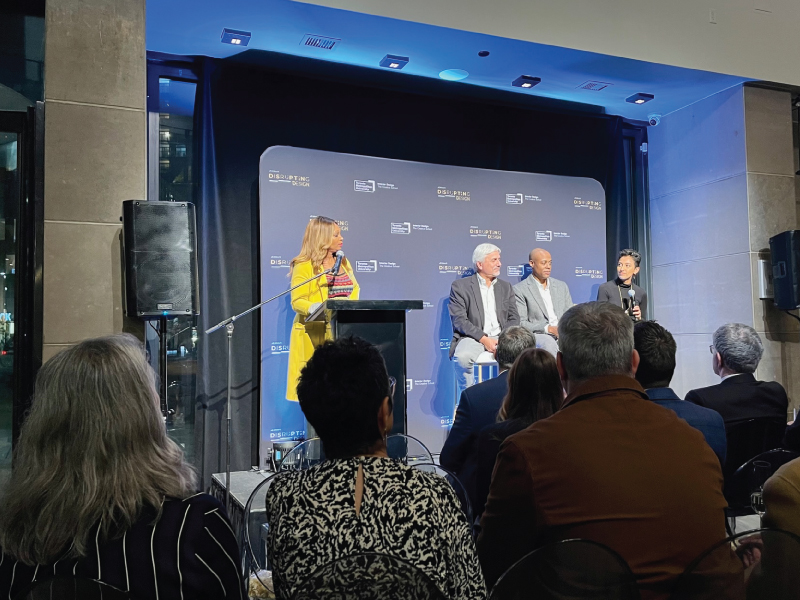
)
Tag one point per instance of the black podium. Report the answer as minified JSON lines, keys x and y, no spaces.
{"x":380,"y":322}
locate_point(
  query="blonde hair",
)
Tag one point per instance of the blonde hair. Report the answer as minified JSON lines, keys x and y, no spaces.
{"x":94,"y":449}
{"x":316,"y":242}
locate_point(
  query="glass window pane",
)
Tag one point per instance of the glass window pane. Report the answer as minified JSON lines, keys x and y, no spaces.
{"x":9,"y":201}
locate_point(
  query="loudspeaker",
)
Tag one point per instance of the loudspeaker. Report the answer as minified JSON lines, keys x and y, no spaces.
{"x":785,"y":251}
{"x":160,"y":259}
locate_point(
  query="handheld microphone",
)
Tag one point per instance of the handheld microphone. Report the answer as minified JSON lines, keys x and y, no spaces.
{"x":632,"y":296}
{"x":339,"y":256}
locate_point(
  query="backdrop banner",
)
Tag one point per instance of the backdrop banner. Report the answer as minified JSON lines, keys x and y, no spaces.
{"x":409,"y":230}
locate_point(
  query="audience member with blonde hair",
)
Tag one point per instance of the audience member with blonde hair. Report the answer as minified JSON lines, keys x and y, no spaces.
{"x":99,"y":491}
{"x":321,"y":240}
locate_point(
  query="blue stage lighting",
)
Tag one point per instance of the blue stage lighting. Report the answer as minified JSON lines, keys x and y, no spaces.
{"x":526,"y":81}
{"x":392,"y":61}
{"x":640,"y":98}
{"x":453,"y":74}
{"x":235,"y":37}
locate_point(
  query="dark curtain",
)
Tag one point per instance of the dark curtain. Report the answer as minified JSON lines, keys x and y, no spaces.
{"x":245,"y":107}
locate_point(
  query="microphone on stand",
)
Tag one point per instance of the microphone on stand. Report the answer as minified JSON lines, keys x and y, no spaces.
{"x":634,"y":303}
{"x":339,"y":256}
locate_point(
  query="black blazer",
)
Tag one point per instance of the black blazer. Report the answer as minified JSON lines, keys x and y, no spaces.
{"x":610,"y":292}
{"x":466,"y":308}
{"x":477,"y":408}
{"x":741,"y":397}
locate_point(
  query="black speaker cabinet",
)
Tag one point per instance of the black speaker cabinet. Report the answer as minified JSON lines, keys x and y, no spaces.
{"x":785,"y":252}
{"x":160,"y":259}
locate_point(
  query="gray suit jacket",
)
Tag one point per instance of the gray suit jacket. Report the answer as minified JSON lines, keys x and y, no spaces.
{"x":530,"y":304}
{"x":466,"y":308}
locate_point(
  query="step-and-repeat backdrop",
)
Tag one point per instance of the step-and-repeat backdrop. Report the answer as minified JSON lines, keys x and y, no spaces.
{"x":409,"y":230}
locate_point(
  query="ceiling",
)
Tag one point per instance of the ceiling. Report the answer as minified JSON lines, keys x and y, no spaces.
{"x":194,"y":27}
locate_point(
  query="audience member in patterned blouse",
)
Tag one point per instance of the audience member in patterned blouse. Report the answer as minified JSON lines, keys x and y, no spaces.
{"x":360,"y":500}
{"x":99,"y":491}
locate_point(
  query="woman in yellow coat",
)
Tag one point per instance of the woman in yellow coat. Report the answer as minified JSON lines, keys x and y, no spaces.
{"x":321,"y":241}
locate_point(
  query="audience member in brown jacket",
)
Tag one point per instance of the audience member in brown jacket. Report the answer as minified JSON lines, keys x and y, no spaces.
{"x":610,"y":466}
{"x":782,"y":498}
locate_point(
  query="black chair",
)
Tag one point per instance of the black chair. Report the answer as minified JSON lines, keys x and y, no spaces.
{"x":751,"y":476}
{"x":455,"y":483}
{"x":71,"y":588}
{"x":253,"y":538}
{"x":368,"y":576}
{"x":568,"y":570}
{"x":751,"y":438}
{"x":754,"y":565}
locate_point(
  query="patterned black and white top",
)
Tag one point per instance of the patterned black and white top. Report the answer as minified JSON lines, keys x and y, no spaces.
{"x":189,"y":553}
{"x":406,"y":513}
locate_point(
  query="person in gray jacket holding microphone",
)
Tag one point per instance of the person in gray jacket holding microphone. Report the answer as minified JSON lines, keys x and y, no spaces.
{"x":541,"y":300}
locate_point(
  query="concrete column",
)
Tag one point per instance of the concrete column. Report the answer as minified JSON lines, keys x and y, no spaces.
{"x":771,"y":209}
{"x":95,"y":157}
{"x":721,"y":185}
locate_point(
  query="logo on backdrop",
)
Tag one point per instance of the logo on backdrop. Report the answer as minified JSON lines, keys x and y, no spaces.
{"x":401,"y":228}
{"x":453,"y":269}
{"x":371,"y":266}
{"x":590,"y":273}
{"x":276,"y":262}
{"x":489,"y":234}
{"x":370,"y":185}
{"x":515,"y":270}
{"x":444,"y":192}
{"x":444,"y":343}
{"x":520,"y":198}
{"x":547,"y":236}
{"x":279,"y":348}
{"x":366,"y":266}
{"x":360,"y":185}
{"x":590,"y":204}
{"x":426,"y":304}
{"x":295,"y":180}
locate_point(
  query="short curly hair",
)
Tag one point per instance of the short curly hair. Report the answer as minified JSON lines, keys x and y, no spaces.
{"x":340,"y":390}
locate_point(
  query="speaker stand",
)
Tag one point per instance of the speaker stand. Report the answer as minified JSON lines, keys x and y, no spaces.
{"x":162,"y":368}
{"x":228,"y":325}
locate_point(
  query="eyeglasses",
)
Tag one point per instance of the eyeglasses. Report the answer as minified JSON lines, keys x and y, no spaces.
{"x":712,"y":349}
{"x":392,"y":385}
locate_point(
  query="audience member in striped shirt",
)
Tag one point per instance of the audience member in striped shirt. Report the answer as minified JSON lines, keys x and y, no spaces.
{"x":99,"y":491}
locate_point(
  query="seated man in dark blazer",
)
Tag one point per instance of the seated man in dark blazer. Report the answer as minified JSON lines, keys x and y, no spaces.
{"x":609,"y":466}
{"x":479,"y":405}
{"x":657,"y":348}
{"x":736,"y":351}
{"x":481,"y":306}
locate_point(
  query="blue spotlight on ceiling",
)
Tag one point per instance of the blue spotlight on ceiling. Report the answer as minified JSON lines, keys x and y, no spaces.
{"x":640,"y":98}
{"x":392,"y":61}
{"x":453,"y":74}
{"x":526,"y":81}
{"x":235,"y":37}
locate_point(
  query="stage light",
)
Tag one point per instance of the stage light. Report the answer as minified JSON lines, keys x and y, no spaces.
{"x":526,"y":81}
{"x":392,"y":61}
{"x":453,"y":74}
{"x":640,"y":98}
{"x":235,"y":37}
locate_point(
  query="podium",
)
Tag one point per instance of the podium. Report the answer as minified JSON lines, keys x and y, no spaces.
{"x":382,"y":323}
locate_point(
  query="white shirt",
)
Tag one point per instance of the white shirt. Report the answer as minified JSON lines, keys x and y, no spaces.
{"x":491,"y":326}
{"x":552,"y":319}
{"x":729,"y":376}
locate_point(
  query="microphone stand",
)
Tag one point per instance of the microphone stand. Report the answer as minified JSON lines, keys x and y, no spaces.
{"x":228,"y":325}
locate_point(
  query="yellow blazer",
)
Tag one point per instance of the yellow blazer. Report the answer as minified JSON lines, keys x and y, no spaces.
{"x":306,"y":337}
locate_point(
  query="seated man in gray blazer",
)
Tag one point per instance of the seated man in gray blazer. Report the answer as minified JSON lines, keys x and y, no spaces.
{"x":541,"y":299}
{"x":481,"y":306}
